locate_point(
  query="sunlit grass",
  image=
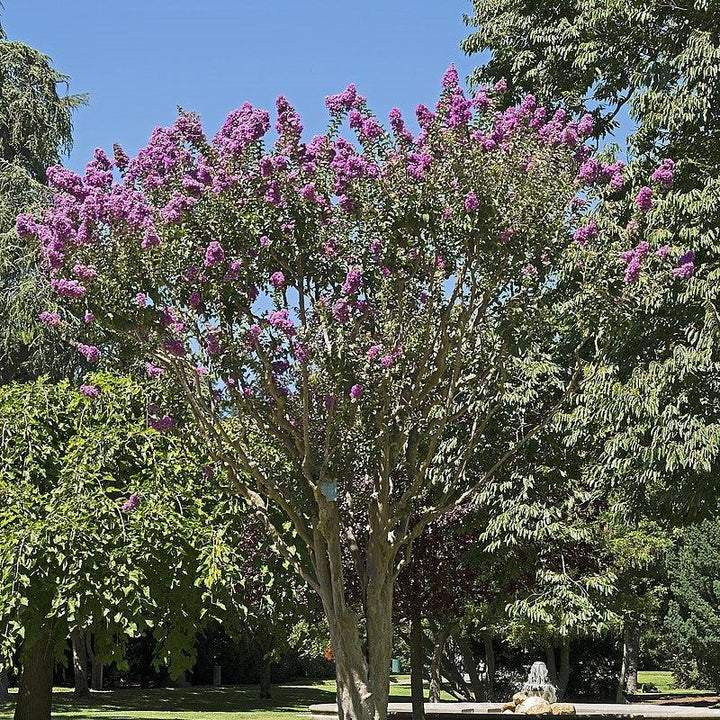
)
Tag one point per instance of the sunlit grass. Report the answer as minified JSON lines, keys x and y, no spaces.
{"x":289,"y":702}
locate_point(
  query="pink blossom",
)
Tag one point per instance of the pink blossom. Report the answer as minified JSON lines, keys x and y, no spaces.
{"x":277,"y":280}
{"x":91,"y":391}
{"x":89,"y":352}
{"x":51,"y":319}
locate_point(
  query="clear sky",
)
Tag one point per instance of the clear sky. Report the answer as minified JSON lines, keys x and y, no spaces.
{"x":140,"y":59}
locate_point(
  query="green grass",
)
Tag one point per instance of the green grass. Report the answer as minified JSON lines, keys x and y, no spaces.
{"x":663,"y":680}
{"x":289,"y":702}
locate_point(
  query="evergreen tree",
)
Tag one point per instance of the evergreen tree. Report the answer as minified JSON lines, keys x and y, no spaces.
{"x":35,"y":129}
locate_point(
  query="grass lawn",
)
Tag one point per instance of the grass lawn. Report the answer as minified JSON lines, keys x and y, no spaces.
{"x":664,"y":682}
{"x":289,"y":702}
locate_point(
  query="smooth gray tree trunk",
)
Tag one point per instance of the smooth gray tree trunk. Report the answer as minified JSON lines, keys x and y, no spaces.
{"x":417,"y":662}
{"x":435,"y":666}
{"x":627,"y":680}
{"x":633,"y":643}
{"x":80,"y":662}
{"x":564,"y":674}
{"x":489,"y":665}
{"x":34,"y":699}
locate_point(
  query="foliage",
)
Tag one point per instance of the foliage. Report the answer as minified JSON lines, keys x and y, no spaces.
{"x":652,"y":411}
{"x":106,"y":524}
{"x":693,"y":618}
{"x":394,"y":320}
{"x":35,"y":129}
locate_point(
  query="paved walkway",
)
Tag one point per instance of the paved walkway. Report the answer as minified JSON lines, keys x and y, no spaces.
{"x":459,"y":710}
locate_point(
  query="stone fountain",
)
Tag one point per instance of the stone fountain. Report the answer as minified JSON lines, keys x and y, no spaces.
{"x":538,"y":696}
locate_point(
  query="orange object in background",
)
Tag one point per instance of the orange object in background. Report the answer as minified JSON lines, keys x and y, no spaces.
{"x":328,"y":654}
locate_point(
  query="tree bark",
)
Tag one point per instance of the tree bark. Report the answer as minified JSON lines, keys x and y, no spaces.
{"x":435,"y":665}
{"x":470,"y":665}
{"x":550,"y":662}
{"x":34,"y":700}
{"x":564,"y":674}
{"x":80,"y":662}
{"x":489,"y":664}
{"x":4,"y":686}
{"x":265,"y":674}
{"x":96,"y":679}
{"x":362,"y":672}
{"x":627,"y":680}
{"x":633,"y":643}
{"x":417,"y":666}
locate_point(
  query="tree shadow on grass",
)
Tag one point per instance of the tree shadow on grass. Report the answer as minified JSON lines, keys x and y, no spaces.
{"x":239,"y":699}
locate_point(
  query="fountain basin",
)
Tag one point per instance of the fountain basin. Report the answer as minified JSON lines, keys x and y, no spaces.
{"x":493,"y":711}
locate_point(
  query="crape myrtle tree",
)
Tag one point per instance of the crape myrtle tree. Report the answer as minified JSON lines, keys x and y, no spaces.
{"x":107,"y":528}
{"x":368,"y":309}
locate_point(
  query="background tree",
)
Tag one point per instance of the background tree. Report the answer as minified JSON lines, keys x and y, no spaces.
{"x":35,"y":130}
{"x":693,"y":618}
{"x":658,"y":431}
{"x":107,"y":528}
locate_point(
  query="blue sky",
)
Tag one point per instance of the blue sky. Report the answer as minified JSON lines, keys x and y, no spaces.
{"x":139,"y":59}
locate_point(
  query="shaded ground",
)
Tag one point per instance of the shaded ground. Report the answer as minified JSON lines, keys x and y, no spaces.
{"x":289,"y":702}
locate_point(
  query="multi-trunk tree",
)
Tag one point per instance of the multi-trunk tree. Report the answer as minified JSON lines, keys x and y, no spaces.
{"x":388,"y":321}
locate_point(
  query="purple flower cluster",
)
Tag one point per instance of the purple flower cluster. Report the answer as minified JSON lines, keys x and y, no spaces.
{"x":51,"y":319}
{"x":288,"y":126}
{"x":356,"y":392}
{"x":132,"y":503}
{"x":252,"y":335}
{"x":344,"y":101}
{"x":280,"y":320}
{"x":593,"y":172}
{"x":471,"y":202}
{"x":348,"y":165}
{"x":685,"y":265}
{"x":153,"y":371}
{"x":175,"y":347}
{"x":341,"y":311}
{"x":585,"y":233}
{"x":159,"y":423}
{"x":175,"y":208}
{"x":644,"y":200}
{"x":277,"y":280}
{"x":89,"y":352}
{"x":664,"y":174}
{"x":242,"y":128}
{"x":214,"y":254}
{"x":397,"y":124}
{"x":418,"y":164}
{"x":91,"y":391}
{"x":634,"y":260}
{"x":353,"y":281}
{"x":213,"y":346}
{"x":68,"y":288}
